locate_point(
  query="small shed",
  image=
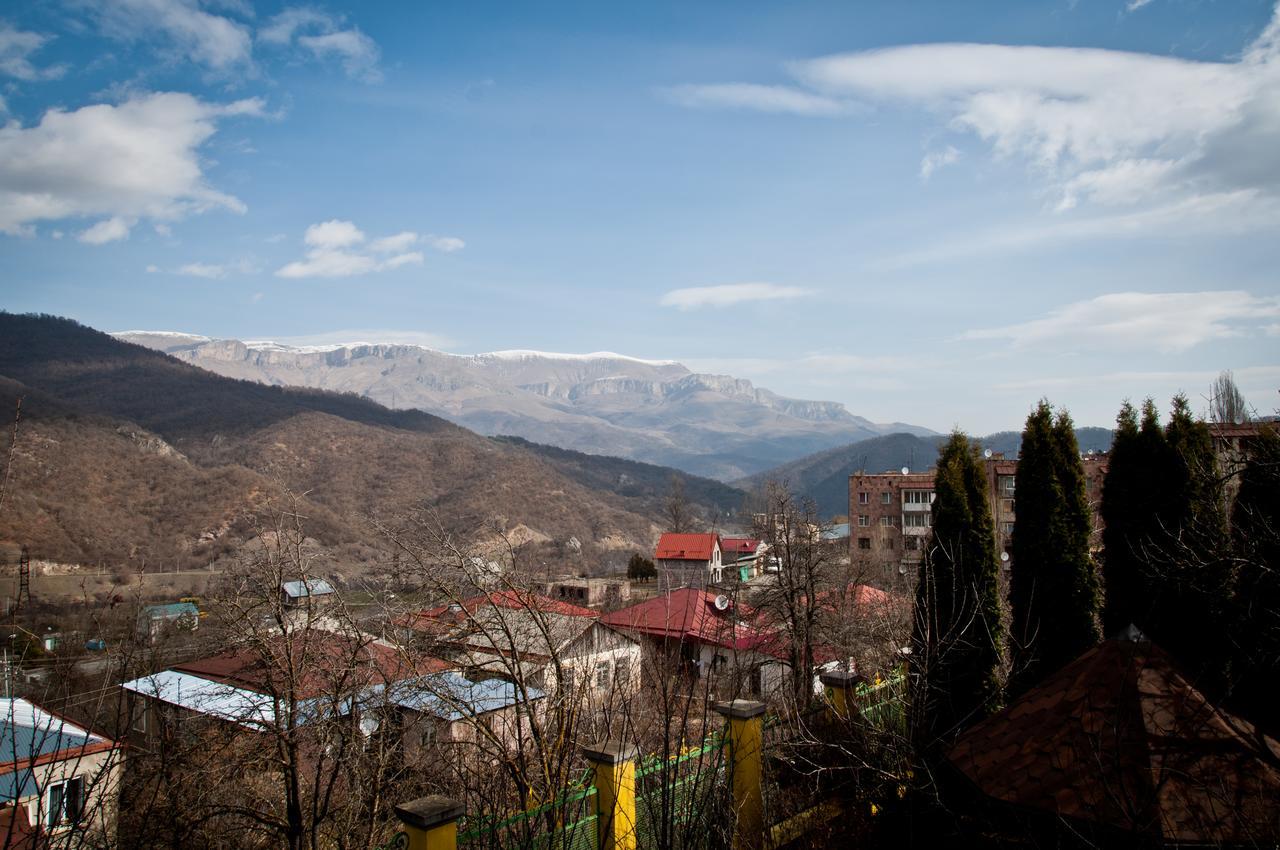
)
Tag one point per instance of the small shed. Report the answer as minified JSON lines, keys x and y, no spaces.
{"x":306,"y":593}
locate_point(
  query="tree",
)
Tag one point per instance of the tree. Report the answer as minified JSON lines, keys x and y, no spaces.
{"x":677,"y":511}
{"x":958,"y":636}
{"x":640,"y":568}
{"x":1255,"y":621}
{"x":1226,"y":402}
{"x":1165,"y":553}
{"x":1053,"y":589}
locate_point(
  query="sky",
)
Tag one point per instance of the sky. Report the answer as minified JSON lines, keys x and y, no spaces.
{"x":935,"y":213}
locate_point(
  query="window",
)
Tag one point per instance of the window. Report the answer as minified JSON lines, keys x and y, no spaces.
{"x":886,"y":521}
{"x":602,"y":674}
{"x":757,"y":681}
{"x":1007,"y":484}
{"x":622,"y":671}
{"x":864,"y":542}
{"x":1008,"y":528}
{"x":864,"y":521}
{"x":918,"y":497}
{"x":888,"y":543}
{"x":863,"y":498}
{"x":916,"y":519}
{"x":886,"y":498}
{"x":64,"y":802}
{"x":1008,"y":506}
{"x":911,"y":544}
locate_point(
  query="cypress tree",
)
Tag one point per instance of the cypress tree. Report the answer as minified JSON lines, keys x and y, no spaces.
{"x":1053,"y":588}
{"x":1121,"y":490}
{"x":958,"y":636}
{"x":1255,"y":614}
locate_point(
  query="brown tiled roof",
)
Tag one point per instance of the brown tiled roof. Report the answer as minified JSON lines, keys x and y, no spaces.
{"x":1119,"y":737}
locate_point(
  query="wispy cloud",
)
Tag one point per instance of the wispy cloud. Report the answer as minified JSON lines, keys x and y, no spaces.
{"x":16,"y":48}
{"x":938,"y":159}
{"x":324,"y":36}
{"x":137,"y":159}
{"x":338,"y":248}
{"x":215,"y":41}
{"x":760,"y":98}
{"x":728,"y":294}
{"x":1167,"y":322}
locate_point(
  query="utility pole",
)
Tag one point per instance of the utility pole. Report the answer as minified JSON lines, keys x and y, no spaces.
{"x":24,"y":578}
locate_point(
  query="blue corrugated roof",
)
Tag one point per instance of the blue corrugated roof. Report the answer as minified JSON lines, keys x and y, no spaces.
{"x":310,"y":587}
{"x":172,"y":611}
{"x":452,"y":696}
{"x":27,"y":733}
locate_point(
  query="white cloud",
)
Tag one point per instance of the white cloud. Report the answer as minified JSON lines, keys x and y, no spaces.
{"x":108,"y":230}
{"x":152,"y":268}
{"x":205,"y":270}
{"x":137,"y":159}
{"x":938,"y":159}
{"x":757,"y":97}
{"x":1135,"y":5}
{"x":358,"y":53}
{"x":338,"y":248}
{"x":16,"y":47}
{"x":393,"y":244}
{"x":371,"y":336}
{"x":1106,"y":127}
{"x":257,"y":297}
{"x":1167,"y":322}
{"x":727,"y":294}
{"x":323,"y":37}
{"x":162,"y":229}
{"x":217,"y":42}
{"x":333,"y":234}
{"x":446,"y":244}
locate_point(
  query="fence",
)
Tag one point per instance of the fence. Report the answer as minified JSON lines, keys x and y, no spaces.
{"x":624,"y":803}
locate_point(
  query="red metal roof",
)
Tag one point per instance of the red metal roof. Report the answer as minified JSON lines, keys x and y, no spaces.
{"x":512,"y":599}
{"x":739,"y":545}
{"x":685,"y":547}
{"x":690,"y":614}
{"x":324,"y":661}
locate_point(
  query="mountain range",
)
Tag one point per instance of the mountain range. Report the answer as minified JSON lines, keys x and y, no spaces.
{"x":124,"y":455}
{"x":656,"y":411}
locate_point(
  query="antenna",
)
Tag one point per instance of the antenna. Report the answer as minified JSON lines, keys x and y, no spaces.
{"x":722,"y":603}
{"x":905,"y":470}
{"x":987,"y":454}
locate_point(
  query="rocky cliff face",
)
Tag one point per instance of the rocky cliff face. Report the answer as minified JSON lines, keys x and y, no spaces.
{"x":602,"y":403}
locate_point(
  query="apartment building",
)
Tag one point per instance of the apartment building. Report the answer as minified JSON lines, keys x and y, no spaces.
{"x":890,"y":515}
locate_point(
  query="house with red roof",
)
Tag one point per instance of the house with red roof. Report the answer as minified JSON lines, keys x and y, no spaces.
{"x":689,"y":560}
{"x":743,"y":557}
{"x":546,"y":643}
{"x":704,"y":634}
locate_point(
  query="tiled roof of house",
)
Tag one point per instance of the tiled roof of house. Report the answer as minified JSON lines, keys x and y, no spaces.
{"x":1120,"y":737}
{"x":685,"y":547}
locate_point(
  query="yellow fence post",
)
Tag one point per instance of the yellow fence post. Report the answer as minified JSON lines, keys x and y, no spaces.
{"x":840,"y":687}
{"x":615,"y":780}
{"x":746,"y":719}
{"x":430,"y":823}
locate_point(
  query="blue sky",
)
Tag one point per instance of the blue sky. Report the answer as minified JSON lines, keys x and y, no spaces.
{"x":932,"y":212}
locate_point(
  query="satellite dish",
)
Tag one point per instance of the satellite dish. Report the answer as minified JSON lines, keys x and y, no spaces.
{"x":987,"y":454}
{"x":1004,"y":556}
{"x":905,"y":470}
{"x":722,"y":603}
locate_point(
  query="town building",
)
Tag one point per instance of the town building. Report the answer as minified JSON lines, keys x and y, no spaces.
{"x":743,"y":557}
{"x":310,"y":594}
{"x":156,"y":620}
{"x":544,"y":643}
{"x":890,"y":515}
{"x":595,"y":592}
{"x":59,"y":781}
{"x":702,"y":633}
{"x":689,"y":560}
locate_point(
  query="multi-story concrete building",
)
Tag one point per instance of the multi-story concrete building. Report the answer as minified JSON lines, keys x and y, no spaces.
{"x":890,"y":515}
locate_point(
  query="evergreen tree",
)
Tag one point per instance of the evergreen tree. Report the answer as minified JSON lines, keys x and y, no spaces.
{"x":1255,"y":615}
{"x":957,"y":638}
{"x":1053,"y":589}
{"x":1164,"y":542}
